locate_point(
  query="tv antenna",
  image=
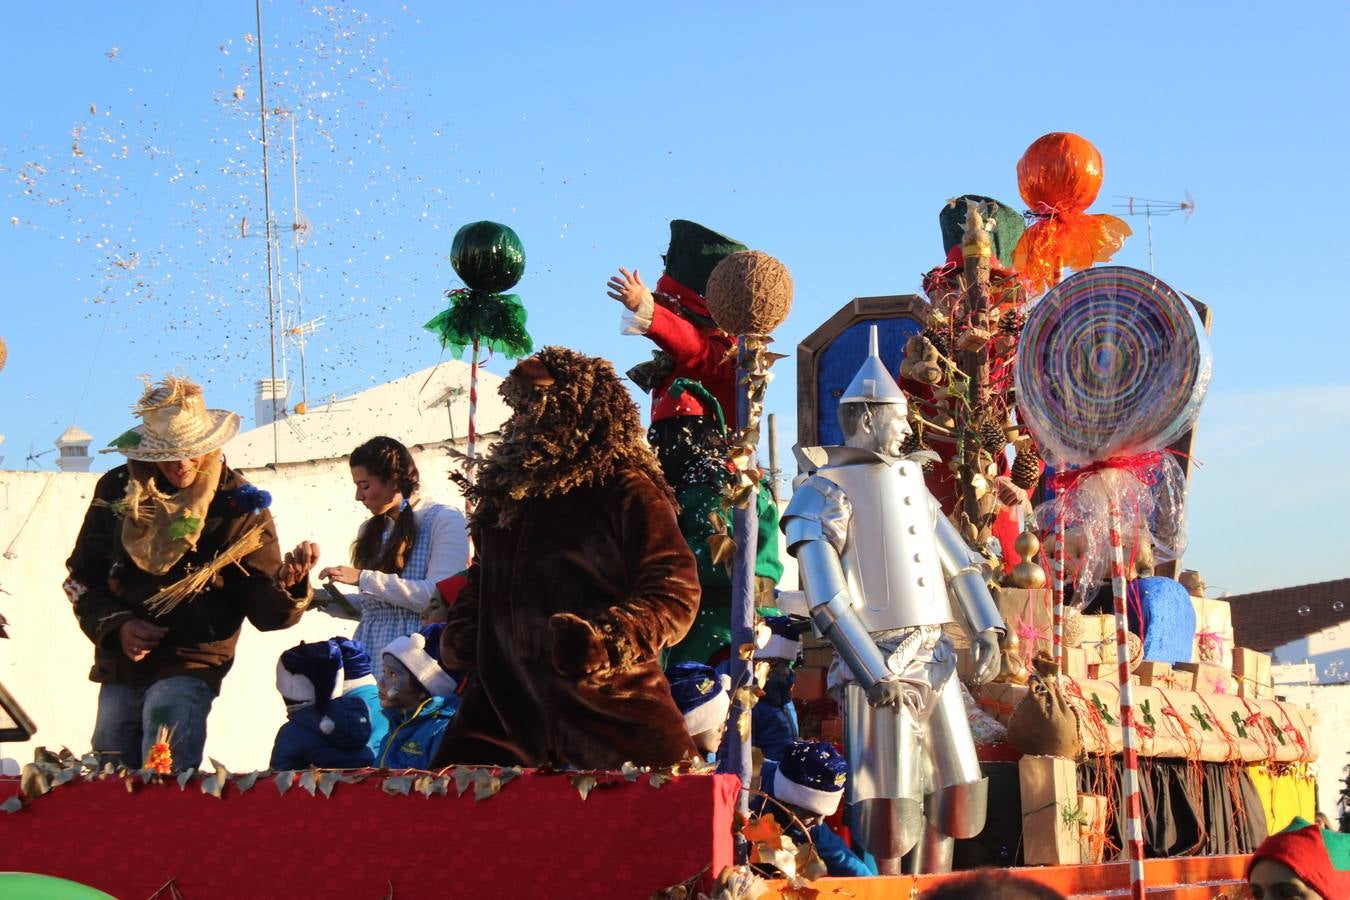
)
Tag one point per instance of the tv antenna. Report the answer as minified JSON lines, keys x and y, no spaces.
{"x":34,"y":455}
{"x":298,"y":333}
{"x":1142,"y":206}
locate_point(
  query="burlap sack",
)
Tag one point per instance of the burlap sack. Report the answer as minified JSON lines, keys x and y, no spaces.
{"x":1044,"y":723}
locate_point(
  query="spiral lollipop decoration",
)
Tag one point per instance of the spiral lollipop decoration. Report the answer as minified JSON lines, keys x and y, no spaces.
{"x":1113,"y":366}
{"x":1111,"y":362}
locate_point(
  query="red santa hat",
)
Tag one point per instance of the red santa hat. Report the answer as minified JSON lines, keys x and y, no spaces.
{"x":1304,"y":852}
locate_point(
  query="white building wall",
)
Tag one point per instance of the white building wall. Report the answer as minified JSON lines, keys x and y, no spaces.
{"x":45,"y":663}
{"x":1331,"y":735}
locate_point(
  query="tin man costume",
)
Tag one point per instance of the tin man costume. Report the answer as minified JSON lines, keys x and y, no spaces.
{"x":880,"y":565}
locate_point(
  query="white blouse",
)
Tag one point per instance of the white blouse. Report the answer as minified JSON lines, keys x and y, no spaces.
{"x":449,"y":554}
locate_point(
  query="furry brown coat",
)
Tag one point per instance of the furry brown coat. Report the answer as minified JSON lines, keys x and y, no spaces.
{"x":580,"y":579}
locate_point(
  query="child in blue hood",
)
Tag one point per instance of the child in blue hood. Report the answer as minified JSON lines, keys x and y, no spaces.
{"x":323,"y":728}
{"x":358,"y":680}
{"x":809,"y":782}
{"x":419,"y":700}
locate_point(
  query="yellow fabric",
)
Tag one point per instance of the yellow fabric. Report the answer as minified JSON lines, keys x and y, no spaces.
{"x":1286,"y":792}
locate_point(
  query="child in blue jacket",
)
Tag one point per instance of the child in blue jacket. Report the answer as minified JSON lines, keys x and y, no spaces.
{"x":419,"y":700}
{"x":701,"y":695}
{"x":809,"y":781}
{"x":358,"y":680}
{"x":323,"y":728}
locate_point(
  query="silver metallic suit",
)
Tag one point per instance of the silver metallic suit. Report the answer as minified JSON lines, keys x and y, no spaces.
{"x":880,"y":566}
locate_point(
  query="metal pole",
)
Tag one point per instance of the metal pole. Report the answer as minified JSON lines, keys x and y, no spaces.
{"x":267,"y":219}
{"x":745,"y":530}
{"x":774,"y":472}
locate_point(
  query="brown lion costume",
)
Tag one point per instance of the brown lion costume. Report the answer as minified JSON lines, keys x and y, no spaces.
{"x":579,"y":579}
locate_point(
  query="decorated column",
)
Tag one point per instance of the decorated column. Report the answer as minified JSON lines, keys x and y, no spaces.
{"x":749,"y":295}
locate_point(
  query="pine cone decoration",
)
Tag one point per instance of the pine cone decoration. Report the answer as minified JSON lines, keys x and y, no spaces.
{"x":1026,"y":468}
{"x":939,"y":339}
{"x":991,"y":436}
{"x":913,"y":444}
{"x":1012,"y":322}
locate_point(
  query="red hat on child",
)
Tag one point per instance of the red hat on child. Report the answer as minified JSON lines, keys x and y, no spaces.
{"x":449,"y":588}
{"x":1304,"y":852}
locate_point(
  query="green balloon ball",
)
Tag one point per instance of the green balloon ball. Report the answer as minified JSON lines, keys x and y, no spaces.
{"x":31,"y":886}
{"x":488,"y":256}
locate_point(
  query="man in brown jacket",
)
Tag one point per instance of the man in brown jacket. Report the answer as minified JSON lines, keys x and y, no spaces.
{"x":580,"y":578}
{"x":163,"y":640}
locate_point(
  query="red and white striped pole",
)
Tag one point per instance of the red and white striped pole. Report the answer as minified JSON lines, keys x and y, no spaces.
{"x":1057,"y":593}
{"x":1134,"y":809}
{"x":471,"y":448}
{"x":473,"y":404}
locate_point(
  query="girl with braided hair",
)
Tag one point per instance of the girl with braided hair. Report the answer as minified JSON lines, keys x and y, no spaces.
{"x":406,"y":546}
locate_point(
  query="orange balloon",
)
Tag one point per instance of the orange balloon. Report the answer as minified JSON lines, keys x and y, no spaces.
{"x":1060,"y":170}
{"x":1059,"y":177}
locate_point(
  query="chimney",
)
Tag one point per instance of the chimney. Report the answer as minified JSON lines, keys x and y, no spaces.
{"x":269,"y":388}
{"x":74,"y":446}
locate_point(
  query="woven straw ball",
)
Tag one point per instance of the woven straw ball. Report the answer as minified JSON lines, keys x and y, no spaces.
{"x":1073,"y":628}
{"x":749,"y":292}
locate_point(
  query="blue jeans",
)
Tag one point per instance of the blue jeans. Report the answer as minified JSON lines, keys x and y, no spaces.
{"x":129,"y":720}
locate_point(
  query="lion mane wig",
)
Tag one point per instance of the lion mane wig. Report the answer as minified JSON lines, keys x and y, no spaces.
{"x":578,"y":431}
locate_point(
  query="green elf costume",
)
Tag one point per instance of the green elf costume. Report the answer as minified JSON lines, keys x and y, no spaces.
{"x":690,"y":437}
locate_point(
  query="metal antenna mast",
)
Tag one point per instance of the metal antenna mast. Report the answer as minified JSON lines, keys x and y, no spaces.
{"x":267,"y":219}
{"x":1141,"y":206}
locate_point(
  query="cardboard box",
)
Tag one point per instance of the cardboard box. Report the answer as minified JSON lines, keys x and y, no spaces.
{"x":1075,"y":662}
{"x":810,"y":684}
{"x":1252,"y":690}
{"x":1095,"y":651}
{"x":832,"y":730}
{"x":1207,"y":678}
{"x":1050,"y":833}
{"x":1152,"y":673}
{"x":1213,"y":632}
{"x":818,"y":657}
{"x":1099,"y":628}
{"x":1092,"y":809}
{"x":1250,"y":664}
{"x":1028,"y":614}
{"x":1108,"y":672}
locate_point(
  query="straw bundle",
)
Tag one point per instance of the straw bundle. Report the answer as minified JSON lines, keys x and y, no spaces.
{"x":191,"y":584}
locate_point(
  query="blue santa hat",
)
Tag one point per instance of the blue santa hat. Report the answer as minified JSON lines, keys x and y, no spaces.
{"x":420,"y":653}
{"x":701,"y":694}
{"x":810,"y":775}
{"x":782,"y":640}
{"x":311,"y":673}
{"x":356,"y":666}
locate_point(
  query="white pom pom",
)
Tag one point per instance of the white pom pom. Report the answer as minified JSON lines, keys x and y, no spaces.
{"x":417,"y":640}
{"x":326,"y":725}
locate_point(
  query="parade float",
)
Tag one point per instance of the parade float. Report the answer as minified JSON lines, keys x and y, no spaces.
{"x":1128,"y":747}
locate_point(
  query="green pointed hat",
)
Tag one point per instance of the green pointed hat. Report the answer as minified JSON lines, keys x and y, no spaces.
{"x":1008,"y":228}
{"x":695,"y":251}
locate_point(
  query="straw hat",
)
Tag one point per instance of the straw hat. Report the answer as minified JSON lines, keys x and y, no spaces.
{"x":176,"y":424}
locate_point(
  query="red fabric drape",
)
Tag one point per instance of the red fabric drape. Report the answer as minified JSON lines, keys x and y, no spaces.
{"x":536,"y":838}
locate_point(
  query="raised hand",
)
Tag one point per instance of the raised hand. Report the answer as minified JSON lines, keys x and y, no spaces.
{"x":628,"y":289}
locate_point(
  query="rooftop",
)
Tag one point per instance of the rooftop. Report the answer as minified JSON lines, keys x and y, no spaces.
{"x":1269,"y":619}
{"x":427,"y":407}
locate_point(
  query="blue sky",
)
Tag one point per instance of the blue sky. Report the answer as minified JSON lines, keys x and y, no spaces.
{"x":827,"y":137}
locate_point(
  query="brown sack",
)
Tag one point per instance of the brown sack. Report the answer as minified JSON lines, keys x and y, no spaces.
{"x":1044,"y":723}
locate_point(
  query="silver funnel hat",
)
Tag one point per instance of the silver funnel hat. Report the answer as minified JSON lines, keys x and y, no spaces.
{"x":873,"y":384}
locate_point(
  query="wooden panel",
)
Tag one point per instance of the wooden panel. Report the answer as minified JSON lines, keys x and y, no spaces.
{"x":809,"y":351}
